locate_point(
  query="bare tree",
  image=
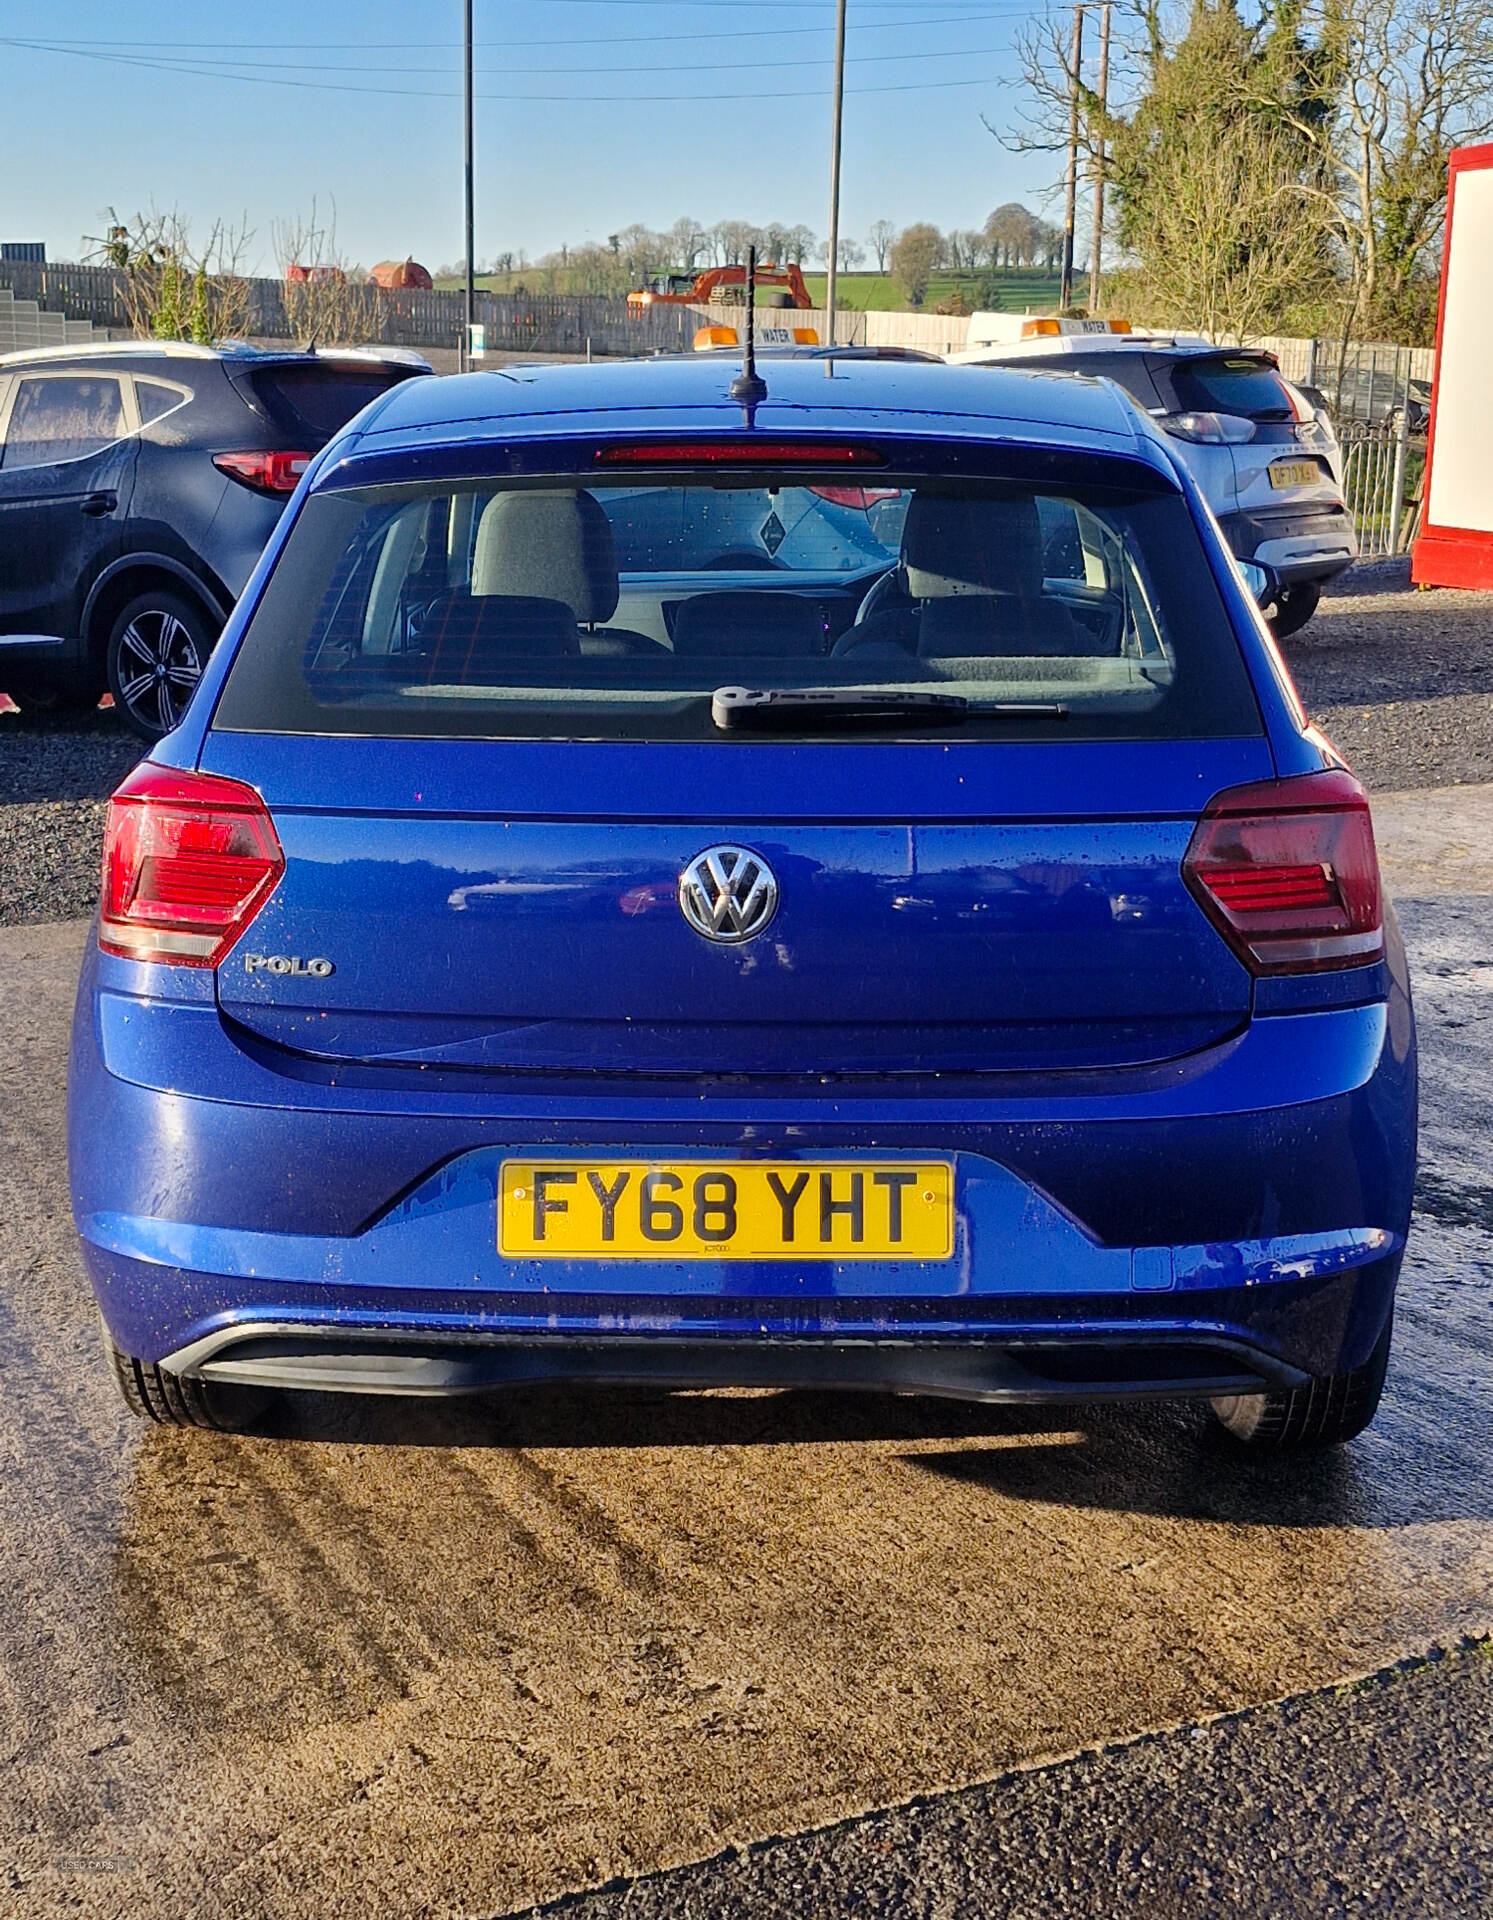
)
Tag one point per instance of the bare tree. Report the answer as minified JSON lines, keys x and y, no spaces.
{"x":914,"y":255}
{"x":643,"y":251}
{"x":1013,"y":236}
{"x":177,"y":288}
{"x":322,"y":302}
{"x":880,"y":238}
{"x":688,"y":240}
{"x":733,"y":237}
{"x":797,"y":244}
{"x":1376,"y":93}
{"x":1416,"y":80}
{"x":966,"y":248}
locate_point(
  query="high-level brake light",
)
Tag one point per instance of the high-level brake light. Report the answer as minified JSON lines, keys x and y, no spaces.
{"x":741,"y":451}
{"x":1287,"y":872}
{"x":189,"y":859}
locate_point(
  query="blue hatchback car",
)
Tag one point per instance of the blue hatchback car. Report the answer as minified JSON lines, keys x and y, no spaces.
{"x":829,"y":890}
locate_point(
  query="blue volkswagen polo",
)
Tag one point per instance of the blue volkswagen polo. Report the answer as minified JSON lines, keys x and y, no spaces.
{"x":671,"y":885}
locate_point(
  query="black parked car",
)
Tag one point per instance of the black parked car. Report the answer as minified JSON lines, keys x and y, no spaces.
{"x":138,"y":484}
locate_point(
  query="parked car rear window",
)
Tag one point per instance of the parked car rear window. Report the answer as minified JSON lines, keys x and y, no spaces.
{"x":63,"y":417}
{"x":316,"y":402}
{"x":552,"y":610}
{"x":1231,"y":384}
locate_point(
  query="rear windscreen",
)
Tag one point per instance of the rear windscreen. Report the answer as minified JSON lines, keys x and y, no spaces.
{"x":315,"y":402}
{"x":1232,"y":384}
{"x":546,"y":609}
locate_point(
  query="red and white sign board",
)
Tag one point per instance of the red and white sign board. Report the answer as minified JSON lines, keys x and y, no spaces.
{"x":1455,"y":548}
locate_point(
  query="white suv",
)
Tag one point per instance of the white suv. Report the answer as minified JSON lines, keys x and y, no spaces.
{"x":1268,"y":462}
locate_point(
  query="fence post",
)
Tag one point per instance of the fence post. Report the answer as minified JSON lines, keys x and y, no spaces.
{"x":1397,"y":484}
{"x":1311,"y":363}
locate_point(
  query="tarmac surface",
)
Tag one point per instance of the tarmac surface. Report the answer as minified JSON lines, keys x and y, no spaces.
{"x":383,"y":1660}
{"x":1368,"y":1800}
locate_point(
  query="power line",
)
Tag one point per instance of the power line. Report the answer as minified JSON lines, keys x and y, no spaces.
{"x":427,"y":93}
{"x":991,"y":10}
{"x":255,"y":69}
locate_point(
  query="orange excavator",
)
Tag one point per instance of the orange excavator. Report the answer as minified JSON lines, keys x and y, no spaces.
{"x":683,"y":289}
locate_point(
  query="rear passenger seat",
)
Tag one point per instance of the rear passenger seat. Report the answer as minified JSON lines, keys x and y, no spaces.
{"x":755,"y":625}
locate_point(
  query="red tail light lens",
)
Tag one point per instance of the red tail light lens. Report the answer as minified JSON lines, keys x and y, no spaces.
{"x":1287,"y":872}
{"x":264,"y":472}
{"x":189,"y":859}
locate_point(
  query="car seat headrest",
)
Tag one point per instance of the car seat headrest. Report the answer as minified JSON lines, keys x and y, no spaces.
{"x":953,"y":545}
{"x":548,"y":545}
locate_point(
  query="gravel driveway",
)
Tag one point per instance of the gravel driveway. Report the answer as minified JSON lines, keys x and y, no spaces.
{"x":1401,"y":681}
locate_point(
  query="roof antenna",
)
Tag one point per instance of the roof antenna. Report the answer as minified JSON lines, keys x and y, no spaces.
{"x":749,"y":387}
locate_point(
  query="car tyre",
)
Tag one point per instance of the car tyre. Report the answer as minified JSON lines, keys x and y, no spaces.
{"x":1294,"y":608}
{"x":175,"y":1400}
{"x":158,"y":647}
{"x":1325,"y":1412}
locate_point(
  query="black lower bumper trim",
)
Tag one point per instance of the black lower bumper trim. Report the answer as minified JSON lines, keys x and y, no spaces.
{"x":1011,"y":1370}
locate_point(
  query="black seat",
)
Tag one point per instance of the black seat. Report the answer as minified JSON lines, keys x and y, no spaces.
{"x":973,"y":568}
{"x":468,"y":638}
{"x":1002,"y":624}
{"x":758,"y":625}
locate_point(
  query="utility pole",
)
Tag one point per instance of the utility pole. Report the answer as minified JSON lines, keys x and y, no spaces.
{"x":466,"y":351}
{"x":1096,"y":257}
{"x":1065,"y":289}
{"x":834,"y":177}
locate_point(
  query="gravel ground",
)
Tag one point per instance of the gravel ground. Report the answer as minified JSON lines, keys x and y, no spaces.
{"x":1383,"y":1817}
{"x":54,"y":779}
{"x":1401,"y":681}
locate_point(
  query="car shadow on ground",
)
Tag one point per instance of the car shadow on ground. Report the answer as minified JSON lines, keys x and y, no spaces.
{"x":1162,"y":1459}
{"x":591,"y":1415}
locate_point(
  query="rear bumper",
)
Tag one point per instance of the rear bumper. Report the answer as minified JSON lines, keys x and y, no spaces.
{"x":1301,"y":544}
{"x":1242,"y":1210}
{"x":1209,"y":1340}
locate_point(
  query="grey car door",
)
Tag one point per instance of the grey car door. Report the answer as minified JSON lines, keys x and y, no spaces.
{"x":66,"y":471}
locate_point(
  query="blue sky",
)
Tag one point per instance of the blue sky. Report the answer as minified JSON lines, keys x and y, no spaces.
{"x":590,"y":114}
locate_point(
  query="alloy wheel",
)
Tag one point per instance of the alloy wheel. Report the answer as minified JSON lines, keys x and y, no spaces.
{"x":159,"y":667}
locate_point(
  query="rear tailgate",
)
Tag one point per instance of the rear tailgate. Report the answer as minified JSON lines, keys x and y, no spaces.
{"x":310,"y":399}
{"x":500,"y":906}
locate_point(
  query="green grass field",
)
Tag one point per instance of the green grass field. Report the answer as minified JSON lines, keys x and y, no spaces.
{"x":880,"y":293}
{"x":1018,"y":291}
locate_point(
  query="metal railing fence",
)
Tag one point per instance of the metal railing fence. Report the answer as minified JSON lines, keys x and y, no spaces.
{"x":1383,"y":462}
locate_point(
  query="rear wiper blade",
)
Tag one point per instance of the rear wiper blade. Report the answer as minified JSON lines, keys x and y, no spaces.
{"x":836,"y":709}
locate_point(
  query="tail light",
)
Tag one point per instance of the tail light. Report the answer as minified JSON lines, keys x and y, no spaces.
{"x":189,"y":859}
{"x":264,"y":472}
{"x":1208,"y":429}
{"x":1287,"y":872}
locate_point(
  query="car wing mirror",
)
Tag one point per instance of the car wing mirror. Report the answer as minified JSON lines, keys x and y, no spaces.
{"x":1262,"y":581}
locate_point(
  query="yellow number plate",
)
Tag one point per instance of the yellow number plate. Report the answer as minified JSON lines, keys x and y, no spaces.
{"x":736,"y":1210}
{"x":1295,"y":473}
